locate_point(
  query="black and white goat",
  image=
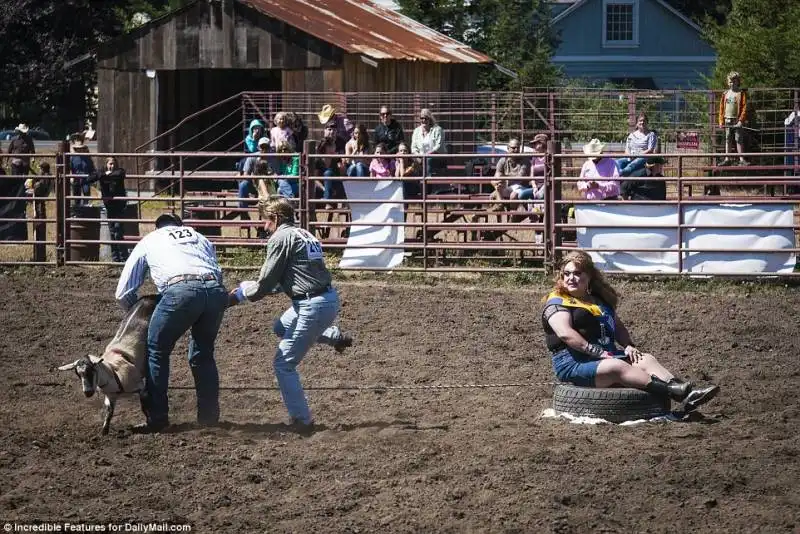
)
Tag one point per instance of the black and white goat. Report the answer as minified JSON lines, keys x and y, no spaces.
{"x":122,"y":368}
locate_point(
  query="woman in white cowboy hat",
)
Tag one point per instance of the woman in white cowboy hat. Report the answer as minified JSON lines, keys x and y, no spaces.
{"x":598,"y":178}
{"x":344,"y":127}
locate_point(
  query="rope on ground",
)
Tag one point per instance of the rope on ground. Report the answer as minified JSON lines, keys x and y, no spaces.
{"x":383,"y":388}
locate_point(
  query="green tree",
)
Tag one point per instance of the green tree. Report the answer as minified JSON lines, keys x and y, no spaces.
{"x":39,"y":36}
{"x":761,"y":40}
{"x":515,"y":33}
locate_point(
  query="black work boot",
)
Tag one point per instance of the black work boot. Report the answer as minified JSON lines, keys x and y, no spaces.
{"x":673,"y":389}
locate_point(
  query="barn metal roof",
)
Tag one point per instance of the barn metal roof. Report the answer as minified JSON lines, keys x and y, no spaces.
{"x":362,"y":27}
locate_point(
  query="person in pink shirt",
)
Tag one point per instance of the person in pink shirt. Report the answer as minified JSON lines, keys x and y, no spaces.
{"x":599,"y":175}
{"x":381,"y":167}
{"x":281,"y":132}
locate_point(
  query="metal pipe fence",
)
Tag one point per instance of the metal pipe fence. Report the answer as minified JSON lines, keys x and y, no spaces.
{"x":454,"y":221}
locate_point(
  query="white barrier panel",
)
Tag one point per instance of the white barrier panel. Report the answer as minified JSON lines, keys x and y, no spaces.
{"x":635,"y":235}
{"x":749,"y":239}
{"x":369,"y":224}
{"x":636,"y":217}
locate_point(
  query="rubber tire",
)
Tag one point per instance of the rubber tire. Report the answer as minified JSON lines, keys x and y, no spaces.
{"x":616,"y":405}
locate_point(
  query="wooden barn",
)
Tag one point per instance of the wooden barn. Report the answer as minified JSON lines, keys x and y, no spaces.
{"x":209,"y":50}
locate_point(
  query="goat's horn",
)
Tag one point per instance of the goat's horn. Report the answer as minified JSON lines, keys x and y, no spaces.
{"x":68,"y":367}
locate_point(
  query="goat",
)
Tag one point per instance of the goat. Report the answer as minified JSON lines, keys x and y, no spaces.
{"x":122,"y":368}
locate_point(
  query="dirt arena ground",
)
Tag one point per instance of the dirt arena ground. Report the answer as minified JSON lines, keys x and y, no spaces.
{"x":460,"y":460}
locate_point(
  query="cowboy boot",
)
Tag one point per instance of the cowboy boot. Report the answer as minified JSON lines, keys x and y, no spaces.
{"x":699,"y":396}
{"x":673,"y":389}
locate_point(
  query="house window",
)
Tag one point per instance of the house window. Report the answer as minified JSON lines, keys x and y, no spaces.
{"x":620,"y":23}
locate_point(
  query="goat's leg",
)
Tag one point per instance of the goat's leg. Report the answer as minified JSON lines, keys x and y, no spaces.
{"x":108,"y":412}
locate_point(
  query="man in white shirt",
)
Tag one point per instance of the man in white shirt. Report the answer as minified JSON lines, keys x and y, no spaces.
{"x":184,"y":268}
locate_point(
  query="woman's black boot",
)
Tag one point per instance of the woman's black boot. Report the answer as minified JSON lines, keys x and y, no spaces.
{"x":673,"y":389}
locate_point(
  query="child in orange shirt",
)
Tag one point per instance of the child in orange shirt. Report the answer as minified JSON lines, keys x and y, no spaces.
{"x":732,"y":116}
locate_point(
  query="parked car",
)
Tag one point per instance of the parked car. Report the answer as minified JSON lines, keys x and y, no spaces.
{"x":37,"y":134}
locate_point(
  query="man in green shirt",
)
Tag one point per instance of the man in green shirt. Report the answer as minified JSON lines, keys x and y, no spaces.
{"x":295,"y":265}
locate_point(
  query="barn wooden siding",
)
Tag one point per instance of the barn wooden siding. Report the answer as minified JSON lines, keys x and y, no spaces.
{"x":209,"y":51}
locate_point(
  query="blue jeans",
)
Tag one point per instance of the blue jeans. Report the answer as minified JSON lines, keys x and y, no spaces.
{"x":628,"y":166}
{"x":246,"y":188}
{"x":330,"y":186}
{"x":306,"y":322}
{"x":357,"y":169}
{"x":115,"y":209}
{"x":191,"y":304}
{"x":288,"y":188}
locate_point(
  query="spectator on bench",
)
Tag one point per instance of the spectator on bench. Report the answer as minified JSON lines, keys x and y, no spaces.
{"x":535,"y":190}
{"x":647,"y":189}
{"x":344,"y":127}
{"x":281,"y":132}
{"x":640,"y":142}
{"x":331,"y":167}
{"x":288,"y":166}
{"x":388,"y":131}
{"x":299,"y":129}
{"x":358,"y":145}
{"x":428,"y":138}
{"x":381,"y":167}
{"x":405,"y":168}
{"x":598,"y":175}
{"x":254,"y":133}
{"x":509,"y":175}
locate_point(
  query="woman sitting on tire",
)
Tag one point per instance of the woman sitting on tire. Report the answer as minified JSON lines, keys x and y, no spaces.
{"x":582,"y":331}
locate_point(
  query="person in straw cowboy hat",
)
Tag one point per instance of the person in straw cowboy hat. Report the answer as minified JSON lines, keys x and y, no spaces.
{"x":344,"y":127}
{"x":22,"y":143}
{"x":598,"y":178}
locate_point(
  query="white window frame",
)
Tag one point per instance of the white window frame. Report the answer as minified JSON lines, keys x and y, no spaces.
{"x":634,"y":42}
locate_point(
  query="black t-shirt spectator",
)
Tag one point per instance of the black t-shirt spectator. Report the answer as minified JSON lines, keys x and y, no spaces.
{"x":390,"y":135}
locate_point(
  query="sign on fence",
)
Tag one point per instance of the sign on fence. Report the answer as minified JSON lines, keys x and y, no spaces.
{"x":690,"y":140}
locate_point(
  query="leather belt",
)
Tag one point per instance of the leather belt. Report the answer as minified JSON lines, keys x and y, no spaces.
{"x":208,"y":277}
{"x":312,"y":294}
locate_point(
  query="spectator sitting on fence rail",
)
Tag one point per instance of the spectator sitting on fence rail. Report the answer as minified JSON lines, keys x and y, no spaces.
{"x":640,"y":142}
{"x":388,"y":131}
{"x":598,"y":174}
{"x":647,"y":189}
{"x":114,"y":194}
{"x":427,"y":138}
{"x":381,"y":167}
{"x":732,"y":117}
{"x":358,"y":145}
{"x":509,"y":175}
{"x":405,"y":168}
{"x":333,"y":166}
{"x":582,"y":330}
{"x":288,"y":166}
{"x":82,"y":166}
{"x":21,"y":143}
{"x":344,"y":127}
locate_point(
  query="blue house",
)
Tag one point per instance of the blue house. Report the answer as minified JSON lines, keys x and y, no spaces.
{"x":647,"y":44}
